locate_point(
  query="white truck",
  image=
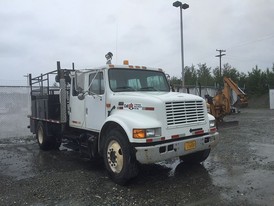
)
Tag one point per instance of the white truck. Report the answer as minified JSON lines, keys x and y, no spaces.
{"x":124,"y":114}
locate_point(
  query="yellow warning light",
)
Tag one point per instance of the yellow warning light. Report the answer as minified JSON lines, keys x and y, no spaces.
{"x":125,"y":62}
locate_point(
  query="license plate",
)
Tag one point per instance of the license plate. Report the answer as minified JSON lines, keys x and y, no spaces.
{"x":190,"y":145}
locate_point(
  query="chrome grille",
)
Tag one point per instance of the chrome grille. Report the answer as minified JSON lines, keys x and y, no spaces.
{"x":186,"y":112}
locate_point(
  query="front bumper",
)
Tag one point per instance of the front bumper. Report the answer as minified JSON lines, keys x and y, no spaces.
{"x":157,"y":153}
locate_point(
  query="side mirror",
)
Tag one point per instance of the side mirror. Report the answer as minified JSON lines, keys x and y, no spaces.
{"x":81,"y":96}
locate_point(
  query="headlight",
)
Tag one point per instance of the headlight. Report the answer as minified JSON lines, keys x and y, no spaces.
{"x":144,"y":133}
{"x":150,"y":132}
{"x":212,"y":123}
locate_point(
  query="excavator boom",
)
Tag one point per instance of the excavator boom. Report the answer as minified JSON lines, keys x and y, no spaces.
{"x":220,"y":104}
{"x":242,"y":97}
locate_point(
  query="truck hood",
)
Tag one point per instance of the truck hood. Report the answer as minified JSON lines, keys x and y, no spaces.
{"x":149,"y":110}
{"x":157,"y":96}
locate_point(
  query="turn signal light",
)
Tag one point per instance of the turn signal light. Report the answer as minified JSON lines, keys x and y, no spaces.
{"x":139,"y":133}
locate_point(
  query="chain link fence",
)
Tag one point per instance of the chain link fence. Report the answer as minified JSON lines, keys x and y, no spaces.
{"x":14,"y":108}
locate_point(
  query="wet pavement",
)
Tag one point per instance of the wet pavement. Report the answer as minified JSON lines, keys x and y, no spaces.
{"x":239,"y":171}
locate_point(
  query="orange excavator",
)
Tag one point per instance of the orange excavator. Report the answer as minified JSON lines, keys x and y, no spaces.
{"x":221,"y":104}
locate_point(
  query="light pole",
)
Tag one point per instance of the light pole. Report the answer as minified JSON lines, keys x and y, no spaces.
{"x":182,"y":6}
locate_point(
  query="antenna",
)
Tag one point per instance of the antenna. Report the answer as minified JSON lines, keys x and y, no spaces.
{"x":116,"y":49}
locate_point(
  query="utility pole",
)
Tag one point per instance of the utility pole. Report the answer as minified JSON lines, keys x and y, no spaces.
{"x":220,"y":57}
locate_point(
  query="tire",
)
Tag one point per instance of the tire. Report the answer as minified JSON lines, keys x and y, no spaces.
{"x":196,"y":157}
{"x":56,"y":143}
{"x":42,"y":137}
{"x":46,"y":141}
{"x":119,"y":158}
{"x":56,"y":139}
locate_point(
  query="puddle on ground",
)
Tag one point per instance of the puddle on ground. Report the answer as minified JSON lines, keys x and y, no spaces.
{"x":243,"y":181}
{"x":265,"y":151}
{"x":18,"y":165}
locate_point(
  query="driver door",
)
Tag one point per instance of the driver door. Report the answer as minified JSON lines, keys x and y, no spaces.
{"x":95,"y":102}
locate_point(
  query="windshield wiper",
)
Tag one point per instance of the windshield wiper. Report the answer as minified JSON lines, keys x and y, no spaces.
{"x":124,"y":88}
{"x":148,"y":89}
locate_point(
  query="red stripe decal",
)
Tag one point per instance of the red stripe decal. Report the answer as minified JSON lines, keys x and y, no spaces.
{"x":175,"y":136}
{"x":46,"y":120}
{"x":213,"y":130}
{"x":199,"y":132}
{"x":148,"y":108}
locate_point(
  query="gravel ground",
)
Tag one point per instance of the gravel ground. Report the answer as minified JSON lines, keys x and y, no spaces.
{"x":239,"y":171}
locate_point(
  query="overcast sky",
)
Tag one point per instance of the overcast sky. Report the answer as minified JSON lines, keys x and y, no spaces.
{"x":36,"y":33}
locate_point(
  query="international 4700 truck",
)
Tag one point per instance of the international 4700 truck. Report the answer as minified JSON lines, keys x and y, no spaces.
{"x":123,"y":114}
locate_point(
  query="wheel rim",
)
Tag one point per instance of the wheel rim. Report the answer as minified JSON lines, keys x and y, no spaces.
{"x":40,"y":136}
{"x":115,"y":156}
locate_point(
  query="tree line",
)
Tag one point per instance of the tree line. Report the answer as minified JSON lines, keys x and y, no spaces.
{"x":256,"y":82}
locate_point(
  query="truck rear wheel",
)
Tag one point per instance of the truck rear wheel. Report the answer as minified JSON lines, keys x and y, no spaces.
{"x":42,"y":137}
{"x":46,"y":141}
{"x":55,"y":138}
{"x":196,"y":157}
{"x":118,"y":156}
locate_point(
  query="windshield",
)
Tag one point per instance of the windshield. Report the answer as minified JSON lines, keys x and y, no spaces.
{"x":121,"y":80}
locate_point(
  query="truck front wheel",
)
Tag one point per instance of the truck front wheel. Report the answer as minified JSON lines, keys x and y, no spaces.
{"x":196,"y":157}
{"x":118,"y":156}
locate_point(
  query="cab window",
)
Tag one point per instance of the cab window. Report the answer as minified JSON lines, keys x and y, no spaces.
{"x":96,"y":83}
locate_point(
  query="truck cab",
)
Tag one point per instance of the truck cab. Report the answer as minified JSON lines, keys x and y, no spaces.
{"x":128,"y":115}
